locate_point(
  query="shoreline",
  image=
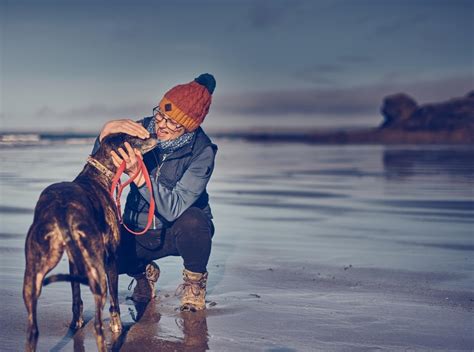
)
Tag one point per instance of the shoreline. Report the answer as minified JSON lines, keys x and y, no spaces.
{"x":357,"y":136}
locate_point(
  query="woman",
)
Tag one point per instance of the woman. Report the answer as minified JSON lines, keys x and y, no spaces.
{"x":180,"y":168}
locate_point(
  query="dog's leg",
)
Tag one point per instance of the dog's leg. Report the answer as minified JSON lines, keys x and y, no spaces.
{"x":98,"y":326}
{"x":98,"y":285}
{"x":77,"y":305}
{"x":40,"y":260}
{"x":30,"y":296}
{"x":112,"y":276}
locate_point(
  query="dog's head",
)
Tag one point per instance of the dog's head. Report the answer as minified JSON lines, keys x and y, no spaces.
{"x":117,"y":140}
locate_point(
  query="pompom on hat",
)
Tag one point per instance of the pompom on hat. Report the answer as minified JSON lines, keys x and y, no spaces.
{"x":188,"y":104}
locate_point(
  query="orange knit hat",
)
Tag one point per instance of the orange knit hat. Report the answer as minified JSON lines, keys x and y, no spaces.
{"x":188,"y":104}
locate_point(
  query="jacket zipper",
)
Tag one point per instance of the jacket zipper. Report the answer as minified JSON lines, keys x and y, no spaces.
{"x":158,"y":172}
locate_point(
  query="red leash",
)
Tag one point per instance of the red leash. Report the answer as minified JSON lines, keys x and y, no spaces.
{"x":116,"y":183}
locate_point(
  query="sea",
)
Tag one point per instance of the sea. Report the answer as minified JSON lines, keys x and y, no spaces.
{"x":317,"y":247}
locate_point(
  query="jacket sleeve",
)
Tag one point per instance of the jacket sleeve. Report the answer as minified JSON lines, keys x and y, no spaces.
{"x":171,"y":203}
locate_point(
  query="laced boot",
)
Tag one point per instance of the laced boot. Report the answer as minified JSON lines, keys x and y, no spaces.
{"x":192,"y":291}
{"x":144,"y":290}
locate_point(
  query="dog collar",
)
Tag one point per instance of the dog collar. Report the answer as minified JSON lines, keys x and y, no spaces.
{"x":100,"y":167}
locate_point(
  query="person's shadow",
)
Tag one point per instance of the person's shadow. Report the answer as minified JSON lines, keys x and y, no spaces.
{"x":118,"y":340}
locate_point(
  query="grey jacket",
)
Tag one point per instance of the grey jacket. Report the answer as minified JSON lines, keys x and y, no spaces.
{"x":179,"y":181}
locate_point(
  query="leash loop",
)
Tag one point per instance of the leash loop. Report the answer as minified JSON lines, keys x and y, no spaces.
{"x":117,"y":188}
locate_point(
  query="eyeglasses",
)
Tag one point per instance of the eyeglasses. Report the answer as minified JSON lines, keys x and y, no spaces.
{"x":170,"y":124}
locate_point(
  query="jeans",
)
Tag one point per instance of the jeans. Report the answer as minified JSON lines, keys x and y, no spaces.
{"x":189,"y":236}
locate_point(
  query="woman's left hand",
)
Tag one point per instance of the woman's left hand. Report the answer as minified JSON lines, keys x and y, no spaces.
{"x":131,"y":158}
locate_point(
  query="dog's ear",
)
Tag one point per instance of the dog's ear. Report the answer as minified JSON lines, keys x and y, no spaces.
{"x":114,"y":141}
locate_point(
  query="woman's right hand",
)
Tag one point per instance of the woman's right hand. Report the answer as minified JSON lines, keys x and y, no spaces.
{"x":131,"y":158}
{"x":124,"y":126}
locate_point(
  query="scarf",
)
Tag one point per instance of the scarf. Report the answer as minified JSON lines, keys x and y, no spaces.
{"x":171,"y":145}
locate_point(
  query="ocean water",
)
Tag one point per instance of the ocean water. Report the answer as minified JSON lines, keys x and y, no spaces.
{"x":316,"y":231}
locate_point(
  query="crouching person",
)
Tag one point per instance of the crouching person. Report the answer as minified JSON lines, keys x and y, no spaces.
{"x":180,"y":168}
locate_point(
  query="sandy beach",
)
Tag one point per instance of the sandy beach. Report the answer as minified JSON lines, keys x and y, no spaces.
{"x":317,"y":248}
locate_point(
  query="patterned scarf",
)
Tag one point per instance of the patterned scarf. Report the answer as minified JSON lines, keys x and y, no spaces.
{"x":172,"y":145}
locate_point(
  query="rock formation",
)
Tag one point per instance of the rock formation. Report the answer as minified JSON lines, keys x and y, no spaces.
{"x":401,"y":112}
{"x":405,"y":122}
{"x":396,"y":109}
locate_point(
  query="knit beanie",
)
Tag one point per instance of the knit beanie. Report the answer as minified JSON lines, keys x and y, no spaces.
{"x":188,"y":104}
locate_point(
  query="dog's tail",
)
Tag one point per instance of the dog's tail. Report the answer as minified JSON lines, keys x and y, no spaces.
{"x":77,"y":253}
{"x":65,"y":277}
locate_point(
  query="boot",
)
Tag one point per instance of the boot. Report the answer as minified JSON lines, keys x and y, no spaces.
{"x":193,"y":291}
{"x":144,"y":290}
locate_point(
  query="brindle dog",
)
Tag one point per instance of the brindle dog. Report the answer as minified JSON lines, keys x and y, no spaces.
{"x":78,"y":217}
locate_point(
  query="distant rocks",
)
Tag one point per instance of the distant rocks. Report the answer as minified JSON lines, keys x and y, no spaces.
{"x":397,"y":109}
{"x":401,"y":112}
{"x":405,"y":122}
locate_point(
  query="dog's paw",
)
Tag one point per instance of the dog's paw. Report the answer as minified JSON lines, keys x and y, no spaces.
{"x":76,"y":324}
{"x":116,"y":328}
{"x":115,"y":323}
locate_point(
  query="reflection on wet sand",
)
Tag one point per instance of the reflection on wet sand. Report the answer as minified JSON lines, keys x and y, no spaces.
{"x":404,"y":163}
{"x":146,"y":335}
{"x":79,"y":341}
{"x":144,"y":332}
{"x":193,"y":325}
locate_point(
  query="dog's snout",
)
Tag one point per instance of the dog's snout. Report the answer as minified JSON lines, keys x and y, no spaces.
{"x":149,"y":143}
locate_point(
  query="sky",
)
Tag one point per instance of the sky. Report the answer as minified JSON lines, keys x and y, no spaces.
{"x":72,"y":65}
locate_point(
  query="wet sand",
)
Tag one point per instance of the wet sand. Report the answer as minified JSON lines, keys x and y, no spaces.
{"x":346,"y":249}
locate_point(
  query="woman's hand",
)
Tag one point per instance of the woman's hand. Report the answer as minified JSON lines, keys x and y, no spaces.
{"x":125,"y":126}
{"x":131,"y":158}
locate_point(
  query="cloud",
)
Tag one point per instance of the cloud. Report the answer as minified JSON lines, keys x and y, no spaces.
{"x":45,"y":111}
{"x":355,"y":59}
{"x":94,"y":111}
{"x":322,"y":74}
{"x":400,"y":21}
{"x":266,"y":14}
{"x":350,"y":101}
{"x":334,"y":72}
